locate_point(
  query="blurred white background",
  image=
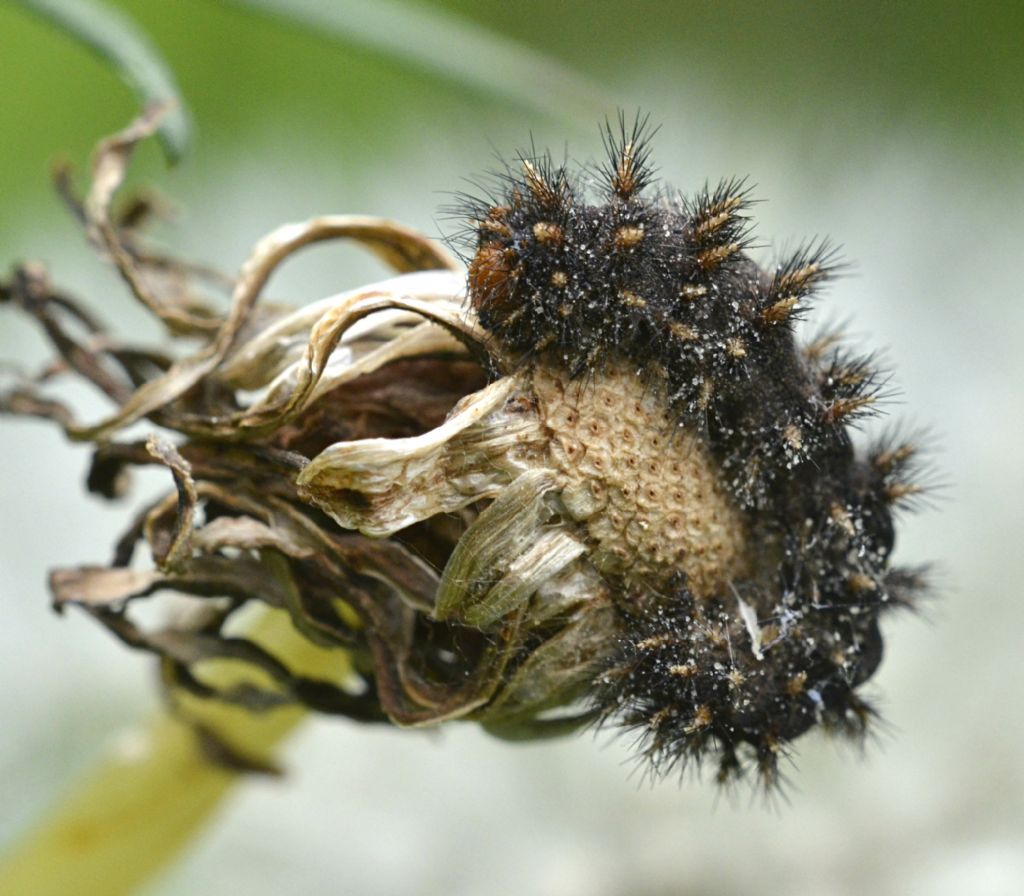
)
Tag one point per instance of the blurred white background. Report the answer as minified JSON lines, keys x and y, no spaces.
{"x":933,"y":220}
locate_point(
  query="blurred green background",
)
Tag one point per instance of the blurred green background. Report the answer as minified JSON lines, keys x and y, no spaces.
{"x":895,"y":128}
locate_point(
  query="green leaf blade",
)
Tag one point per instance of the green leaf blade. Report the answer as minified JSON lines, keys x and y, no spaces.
{"x":123,"y":46}
{"x":443,"y":44}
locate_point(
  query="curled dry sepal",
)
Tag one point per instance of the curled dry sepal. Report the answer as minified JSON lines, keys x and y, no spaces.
{"x":601,"y":484}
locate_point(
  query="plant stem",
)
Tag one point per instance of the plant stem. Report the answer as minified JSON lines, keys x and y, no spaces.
{"x":155,"y":787}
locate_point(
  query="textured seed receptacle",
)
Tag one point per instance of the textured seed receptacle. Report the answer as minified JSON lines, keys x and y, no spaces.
{"x":645,"y":488}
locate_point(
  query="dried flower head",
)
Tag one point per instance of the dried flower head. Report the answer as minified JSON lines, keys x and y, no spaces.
{"x":602,"y":483}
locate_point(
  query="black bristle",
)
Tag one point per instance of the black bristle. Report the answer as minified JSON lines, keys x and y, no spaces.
{"x":626,"y":173}
{"x":717,"y":217}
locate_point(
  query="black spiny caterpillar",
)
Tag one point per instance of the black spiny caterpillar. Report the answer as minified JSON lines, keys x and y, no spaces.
{"x":661,"y":285}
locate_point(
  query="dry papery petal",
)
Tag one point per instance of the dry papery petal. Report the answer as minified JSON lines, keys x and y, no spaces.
{"x":448,"y":584}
